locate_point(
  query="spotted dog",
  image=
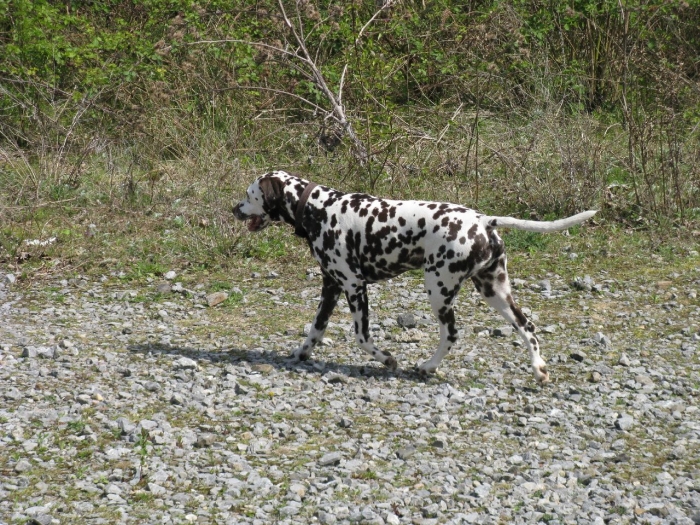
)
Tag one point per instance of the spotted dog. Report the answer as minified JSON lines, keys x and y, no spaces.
{"x":359,"y":239}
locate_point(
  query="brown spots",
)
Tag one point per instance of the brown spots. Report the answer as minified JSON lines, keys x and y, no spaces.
{"x":519,"y":316}
{"x":453,"y":230}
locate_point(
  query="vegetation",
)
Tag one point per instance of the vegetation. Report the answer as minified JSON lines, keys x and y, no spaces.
{"x":128,"y":128}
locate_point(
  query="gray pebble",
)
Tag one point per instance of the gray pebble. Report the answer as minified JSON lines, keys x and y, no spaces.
{"x":578,"y":355}
{"x":406,"y":320}
{"x":503,"y":331}
{"x":405,"y":453}
{"x":331,"y":458}
{"x":624,"y":422}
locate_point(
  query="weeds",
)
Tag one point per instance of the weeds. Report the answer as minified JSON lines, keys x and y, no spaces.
{"x":139,"y":167}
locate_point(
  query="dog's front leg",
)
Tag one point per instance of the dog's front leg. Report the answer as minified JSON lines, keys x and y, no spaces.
{"x":356,"y":294}
{"x":329,"y":298}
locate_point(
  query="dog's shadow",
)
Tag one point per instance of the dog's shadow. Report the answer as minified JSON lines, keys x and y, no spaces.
{"x":282,"y":362}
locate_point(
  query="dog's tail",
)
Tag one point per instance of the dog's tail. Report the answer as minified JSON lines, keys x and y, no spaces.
{"x":491,"y":222}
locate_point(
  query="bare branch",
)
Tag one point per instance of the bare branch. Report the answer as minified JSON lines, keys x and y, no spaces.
{"x":340,"y":85}
{"x":282,"y":92}
{"x":387,"y":5}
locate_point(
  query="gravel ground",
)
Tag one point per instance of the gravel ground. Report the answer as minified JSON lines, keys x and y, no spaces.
{"x":142,"y":403}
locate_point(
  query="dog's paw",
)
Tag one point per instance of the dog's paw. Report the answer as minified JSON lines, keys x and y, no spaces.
{"x":425,"y":369}
{"x":539,"y":369}
{"x":300,"y":355}
{"x":391,"y":363}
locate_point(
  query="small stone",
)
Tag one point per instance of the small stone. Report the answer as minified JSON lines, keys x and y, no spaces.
{"x":216,"y":298}
{"x":10,"y":278}
{"x":437,"y":443}
{"x":326,"y":518}
{"x":345,"y":422}
{"x":624,"y":360}
{"x":126,"y":426}
{"x":392,"y":519}
{"x":406,"y":320}
{"x":405,"y":452}
{"x":263,"y":368}
{"x":169,"y":276}
{"x":664,"y":478}
{"x":583,"y":283}
{"x":41,"y":519}
{"x":156,"y":490}
{"x":177,"y":399}
{"x":578,"y":355}
{"x":289,"y":510}
{"x":482,"y":490}
{"x":550,"y":329}
{"x":602,"y":340}
{"x":335,"y":379}
{"x":30,"y":352}
{"x":544,"y":285}
{"x":298,"y":489}
{"x":595,"y":377}
{"x":205,"y":440}
{"x":148,"y":424}
{"x":502,"y":331}
{"x":185,"y":363}
{"x":624,"y":422}
{"x":22,"y":466}
{"x":431,"y":511}
{"x":112,"y":489}
{"x":164,"y":288}
{"x":151,"y":386}
{"x":331,"y":458}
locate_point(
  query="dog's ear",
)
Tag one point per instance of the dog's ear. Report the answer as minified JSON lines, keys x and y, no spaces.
{"x":272,"y":191}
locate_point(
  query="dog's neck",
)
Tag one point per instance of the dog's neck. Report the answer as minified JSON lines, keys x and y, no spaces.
{"x":299,"y":212}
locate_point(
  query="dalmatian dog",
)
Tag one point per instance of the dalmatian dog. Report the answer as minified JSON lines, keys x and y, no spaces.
{"x":358,"y":239}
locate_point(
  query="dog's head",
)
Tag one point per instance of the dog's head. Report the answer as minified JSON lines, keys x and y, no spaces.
{"x":267,"y":201}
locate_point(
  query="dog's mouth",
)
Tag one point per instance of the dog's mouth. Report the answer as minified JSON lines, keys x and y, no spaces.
{"x":255,"y":223}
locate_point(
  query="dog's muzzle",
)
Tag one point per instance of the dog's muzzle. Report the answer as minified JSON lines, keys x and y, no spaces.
{"x":238,"y":214}
{"x":254,"y":222}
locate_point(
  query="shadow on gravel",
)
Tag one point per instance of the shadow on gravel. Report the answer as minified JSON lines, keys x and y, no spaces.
{"x":315,"y":366}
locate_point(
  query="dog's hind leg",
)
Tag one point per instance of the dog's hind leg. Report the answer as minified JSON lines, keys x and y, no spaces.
{"x":494,"y":286}
{"x":329,"y":298}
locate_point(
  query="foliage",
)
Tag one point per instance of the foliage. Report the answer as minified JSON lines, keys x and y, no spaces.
{"x":133,"y":86}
